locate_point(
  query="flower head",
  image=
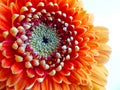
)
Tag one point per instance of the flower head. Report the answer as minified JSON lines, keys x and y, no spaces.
{"x":51,"y":45}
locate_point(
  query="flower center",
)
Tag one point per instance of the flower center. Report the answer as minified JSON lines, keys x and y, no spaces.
{"x":44,"y":40}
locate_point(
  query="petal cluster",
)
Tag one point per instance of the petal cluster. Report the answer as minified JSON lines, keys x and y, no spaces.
{"x":51,"y":45}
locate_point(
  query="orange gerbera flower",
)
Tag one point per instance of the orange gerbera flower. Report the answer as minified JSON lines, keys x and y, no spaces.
{"x":50,"y":45}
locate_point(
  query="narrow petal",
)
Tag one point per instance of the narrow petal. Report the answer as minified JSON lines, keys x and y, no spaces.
{"x":98,"y":87}
{"x":21,"y":84}
{"x":98,"y":76}
{"x":2,"y":85}
{"x":4,"y":74}
{"x":65,"y":86}
{"x":37,"y":86}
{"x":5,"y":19}
{"x":102,"y":33}
{"x":13,"y":79}
{"x":104,"y":52}
{"x":17,"y":68}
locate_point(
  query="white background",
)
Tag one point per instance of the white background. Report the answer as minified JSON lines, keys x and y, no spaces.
{"x":107,"y":13}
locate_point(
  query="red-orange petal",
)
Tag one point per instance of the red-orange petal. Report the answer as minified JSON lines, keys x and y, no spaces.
{"x":13,"y":79}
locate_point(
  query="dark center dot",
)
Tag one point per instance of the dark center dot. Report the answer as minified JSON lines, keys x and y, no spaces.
{"x":44,"y":40}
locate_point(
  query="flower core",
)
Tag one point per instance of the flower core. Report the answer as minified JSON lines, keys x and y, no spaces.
{"x":44,"y":40}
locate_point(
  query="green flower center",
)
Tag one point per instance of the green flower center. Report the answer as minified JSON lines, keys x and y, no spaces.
{"x":44,"y":40}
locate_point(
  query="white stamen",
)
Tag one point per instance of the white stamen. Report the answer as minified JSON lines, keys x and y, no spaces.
{"x":0,"y":46}
{"x":62,"y":64}
{"x":53,"y":13}
{"x":71,"y":18}
{"x":58,"y":60}
{"x":66,"y":24}
{"x":21,"y":49}
{"x":77,"y":55}
{"x":28,"y":65}
{"x":51,"y":4}
{"x":55,"y":4}
{"x":42,"y":62}
{"x":68,"y":39}
{"x":72,"y":67}
{"x":76,"y":42}
{"x":27,"y":26}
{"x":70,"y":32}
{"x":48,"y":14}
{"x":14,"y":31}
{"x":69,"y":50}
{"x":59,"y":20}
{"x":52,"y":73}
{"x":50,"y":18}
{"x":59,"y":12}
{"x":65,"y":28}
{"x":39,"y":14}
{"x":75,"y":32}
{"x":35,"y":16}
{"x":67,"y":57}
{"x":67,"y":5}
{"x":5,"y":34}
{"x":19,"y":41}
{"x":59,"y":68}
{"x":14,"y":17}
{"x":24,"y":37}
{"x":29,"y":15}
{"x":28,"y":4}
{"x":64,"y":47}
{"x":29,"y":58}
{"x":32,"y":10}
{"x":58,"y":55}
{"x":18,"y":58}
{"x":71,"y":38}
{"x":46,"y":66}
{"x":30,"y":75}
{"x":28,"y":19}
{"x":63,"y":22}
{"x":36,"y":62}
{"x":73,"y":26}
{"x":21,"y":17}
{"x":41,"y":4}
{"x":40,"y":80}
{"x":23,"y":9}
{"x":68,"y":74}
{"x":44,"y":11}
{"x":21,"y":29}
{"x":64,"y":15}
{"x":77,"y":48}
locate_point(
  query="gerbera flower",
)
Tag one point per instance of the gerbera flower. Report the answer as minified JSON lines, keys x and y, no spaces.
{"x":51,"y":45}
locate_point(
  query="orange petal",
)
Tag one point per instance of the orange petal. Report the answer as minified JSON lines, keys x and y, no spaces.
{"x":102,"y":32}
{"x":2,"y":85}
{"x":6,"y":63}
{"x":10,"y":88}
{"x":98,"y":87}
{"x":57,"y":78}
{"x":5,"y":19}
{"x":13,"y":79}
{"x":17,"y":68}
{"x":37,"y":86}
{"x":4,"y":74}
{"x":21,"y":83}
{"x":98,"y":76}
{"x":56,"y":86}
{"x":65,"y":87}
{"x":104,"y":53}
{"x":31,"y":83}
